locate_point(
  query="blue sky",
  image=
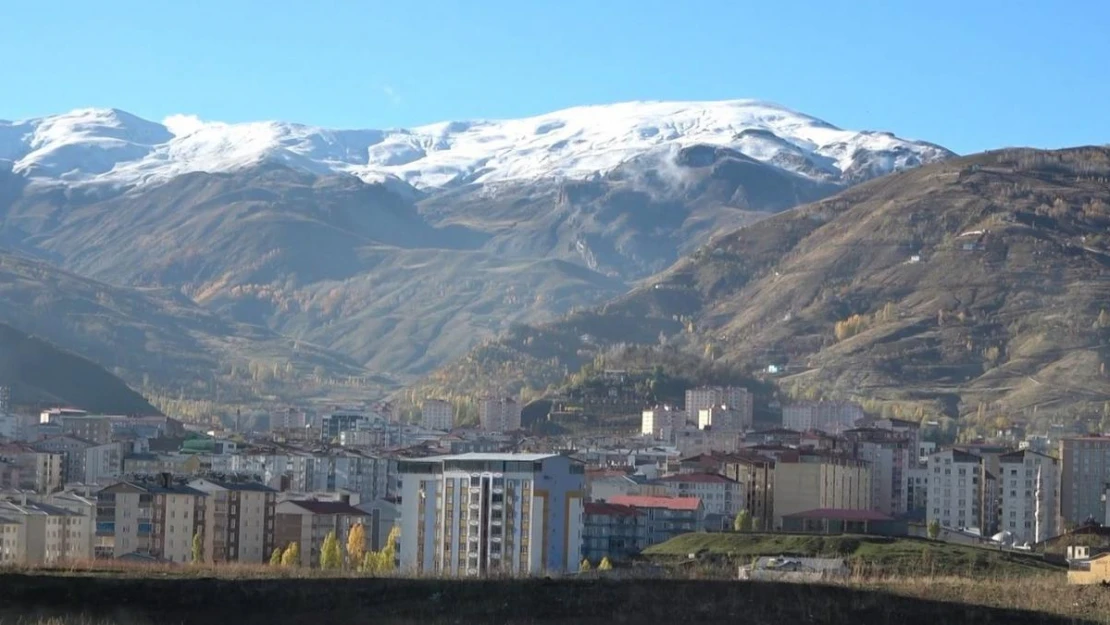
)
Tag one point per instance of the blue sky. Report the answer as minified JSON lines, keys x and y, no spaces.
{"x":968,"y":75}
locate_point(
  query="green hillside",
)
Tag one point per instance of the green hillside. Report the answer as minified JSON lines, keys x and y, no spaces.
{"x":876,"y":553}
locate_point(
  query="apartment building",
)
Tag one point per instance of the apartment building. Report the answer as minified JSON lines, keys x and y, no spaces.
{"x":724,"y":419}
{"x":38,"y":471}
{"x":332,"y":424}
{"x":499,"y":414}
{"x":73,"y":451}
{"x":612,"y":531}
{"x":960,"y":494}
{"x":733,"y":397}
{"x":11,"y":545}
{"x":38,"y":533}
{"x":478,"y":514}
{"x":308,"y":523}
{"x":890,"y":454}
{"x":157,"y":517}
{"x":1028,"y":494}
{"x":666,"y":517}
{"x":238,"y":520}
{"x":81,"y":506}
{"x":827,"y":416}
{"x":1084,"y":473}
{"x":437,"y":414}
{"x":720,"y":496}
{"x":811,"y":480}
{"x":372,"y":477}
{"x":662,"y":422}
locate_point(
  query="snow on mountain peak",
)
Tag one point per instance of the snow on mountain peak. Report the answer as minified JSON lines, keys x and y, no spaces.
{"x":108,"y":145}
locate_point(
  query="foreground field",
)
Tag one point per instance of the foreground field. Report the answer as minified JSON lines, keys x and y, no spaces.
{"x":873,"y":555}
{"x":104,"y":599}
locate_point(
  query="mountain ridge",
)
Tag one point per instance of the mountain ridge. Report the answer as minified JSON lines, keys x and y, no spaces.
{"x":113,"y":146}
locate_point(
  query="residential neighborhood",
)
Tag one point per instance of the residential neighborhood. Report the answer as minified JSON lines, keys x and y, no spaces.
{"x":495,"y":499}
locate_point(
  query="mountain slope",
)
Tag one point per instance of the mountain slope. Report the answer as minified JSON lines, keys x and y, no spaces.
{"x":316,"y":235}
{"x":152,"y":335}
{"x":108,"y":145}
{"x":38,"y":372}
{"x":978,"y":280}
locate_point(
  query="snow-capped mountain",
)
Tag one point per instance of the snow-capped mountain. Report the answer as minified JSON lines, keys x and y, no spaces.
{"x":112,"y":146}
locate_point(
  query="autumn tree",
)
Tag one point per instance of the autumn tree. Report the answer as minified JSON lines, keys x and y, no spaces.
{"x":275,"y":557}
{"x":605,"y":564}
{"x":330,"y":557}
{"x":198,"y":548}
{"x":742,"y":522}
{"x":585,"y":566}
{"x":356,"y":545}
{"x":933,"y":529}
{"x":292,"y":555}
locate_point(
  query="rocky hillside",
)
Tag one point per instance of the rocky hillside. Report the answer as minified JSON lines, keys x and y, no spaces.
{"x":980,"y":285}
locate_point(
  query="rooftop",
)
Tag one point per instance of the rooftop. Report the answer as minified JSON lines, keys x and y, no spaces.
{"x":698,"y":478}
{"x":492,"y":457}
{"x":327,"y":507}
{"x":669,"y":503}
{"x":609,"y":509}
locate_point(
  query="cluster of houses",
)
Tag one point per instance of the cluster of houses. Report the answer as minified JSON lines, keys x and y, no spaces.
{"x":491,"y":499}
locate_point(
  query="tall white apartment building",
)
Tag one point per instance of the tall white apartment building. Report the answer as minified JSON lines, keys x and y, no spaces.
{"x":735,"y":397}
{"x":480,"y":514}
{"x":724,"y":419}
{"x":1027,"y":490}
{"x":662,"y":422}
{"x":437,"y":414}
{"x":956,"y":489}
{"x":499,"y":414}
{"x":827,"y":416}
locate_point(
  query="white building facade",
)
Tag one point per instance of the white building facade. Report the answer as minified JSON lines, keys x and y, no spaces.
{"x":955,"y":489}
{"x":482,"y":514}
{"x":1027,"y":488}
{"x":499,"y":414}
{"x":832,"y":417}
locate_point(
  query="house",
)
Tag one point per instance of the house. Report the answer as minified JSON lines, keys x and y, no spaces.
{"x":1093,"y":571}
{"x":833,"y":521}
{"x":667,"y":517}
{"x":612,"y":531}
{"x":308,"y":523}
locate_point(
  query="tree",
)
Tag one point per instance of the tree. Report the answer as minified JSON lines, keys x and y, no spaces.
{"x":198,"y":548}
{"x":356,"y":545}
{"x":371,"y":563}
{"x":585,"y":566}
{"x":742,"y":522}
{"x":378,"y":562}
{"x":934,"y":529}
{"x":389,"y":549}
{"x":275,"y":557}
{"x":292,"y":555}
{"x":605,"y":564}
{"x":330,"y":557}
